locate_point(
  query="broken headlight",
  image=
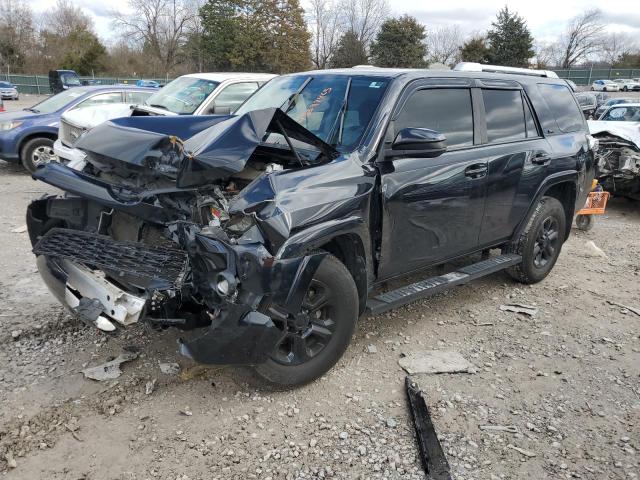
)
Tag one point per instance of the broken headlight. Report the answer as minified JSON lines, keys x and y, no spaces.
{"x":238,"y":224}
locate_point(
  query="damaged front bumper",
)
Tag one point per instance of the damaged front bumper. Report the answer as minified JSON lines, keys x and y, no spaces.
{"x":113,"y":284}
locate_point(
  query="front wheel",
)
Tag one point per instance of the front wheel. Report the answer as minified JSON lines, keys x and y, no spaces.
{"x":36,"y":152}
{"x":624,"y":89}
{"x":540,"y":242}
{"x":315,"y":340}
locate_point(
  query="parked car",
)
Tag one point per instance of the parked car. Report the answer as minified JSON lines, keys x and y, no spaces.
{"x":605,"y":86}
{"x":588,"y":103}
{"x":60,"y":80}
{"x":609,"y":103}
{"x":627,"y":85}
{"x":8,"y":91}
{"x":28,"y":135}
{"x":195,"y":94}
{"x":263,"y":235}
{"x":147,"y":83}
{"x":627,"y":112}
{"x":618,"y":134}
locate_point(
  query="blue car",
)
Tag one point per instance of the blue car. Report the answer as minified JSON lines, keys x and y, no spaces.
{"x":27,"y":136}
{"x":147,"y":83}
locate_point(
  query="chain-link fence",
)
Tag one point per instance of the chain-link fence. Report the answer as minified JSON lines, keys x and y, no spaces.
{"x":586,"y":76}
{"x":39,"y":84}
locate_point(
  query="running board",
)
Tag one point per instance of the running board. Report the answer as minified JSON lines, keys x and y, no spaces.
{"x":433,"y":285}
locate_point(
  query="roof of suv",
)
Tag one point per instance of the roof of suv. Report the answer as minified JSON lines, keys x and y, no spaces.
{"x":416,"y":73}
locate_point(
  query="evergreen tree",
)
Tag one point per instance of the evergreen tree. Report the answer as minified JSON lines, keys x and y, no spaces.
{"x":510,"y":42}
{"x":400,"y":43}
{"x":475,"y":50}
{"x":350,"y":52}
{"x":255,"y":35}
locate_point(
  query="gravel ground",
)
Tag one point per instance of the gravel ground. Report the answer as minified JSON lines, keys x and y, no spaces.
{"x":567,"y":379}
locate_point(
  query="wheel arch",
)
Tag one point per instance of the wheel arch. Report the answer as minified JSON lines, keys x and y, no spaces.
{"x":33,"y":135}
{"x":563,"y":187}
{"x":346,"y":240}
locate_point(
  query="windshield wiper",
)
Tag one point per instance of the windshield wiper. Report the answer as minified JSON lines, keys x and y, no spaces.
{"x":157,"y":105}
{"x":339,"y":121}
{"x":34,"y":110}
{"x":290,"y":102}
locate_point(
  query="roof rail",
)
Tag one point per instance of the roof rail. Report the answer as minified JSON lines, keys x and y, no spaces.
{"x":478,"y":67}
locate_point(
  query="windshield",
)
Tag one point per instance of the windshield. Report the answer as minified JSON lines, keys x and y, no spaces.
{"x":58,"y":101}
{"x":320,"y":105}
{"x":622,"y":114}
{"x":5,"y":85}
{"x":183,"y":95}
{"x":70,"y":79}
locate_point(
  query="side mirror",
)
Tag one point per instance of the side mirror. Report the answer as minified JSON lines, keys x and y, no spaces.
{"x":220,"y":109}
{"x":418,"y":142}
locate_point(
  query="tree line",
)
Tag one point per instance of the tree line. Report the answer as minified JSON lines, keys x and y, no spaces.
{"x":171,"y":37}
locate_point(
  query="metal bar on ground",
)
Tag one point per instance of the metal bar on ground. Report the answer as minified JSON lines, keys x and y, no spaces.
{"x":433,"y":457}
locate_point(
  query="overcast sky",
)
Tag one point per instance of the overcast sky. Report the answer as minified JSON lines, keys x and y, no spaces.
{"x":546,"y":18}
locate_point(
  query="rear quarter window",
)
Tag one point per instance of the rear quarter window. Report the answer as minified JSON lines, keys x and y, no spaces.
{"x":563,"y":106}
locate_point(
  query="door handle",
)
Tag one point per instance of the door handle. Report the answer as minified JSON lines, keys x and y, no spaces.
{"x":541,"y":158}
{"x":477,"y":170}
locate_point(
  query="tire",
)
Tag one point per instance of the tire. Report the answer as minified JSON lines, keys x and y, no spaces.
{"x":37,"y":151}
{"x":584,"y":222}
{"x":604,"y":89}
{"x":338,"y":314}
{"x":540,"y":242}
{"x":593,"y":89}
{"x":624,"y":89}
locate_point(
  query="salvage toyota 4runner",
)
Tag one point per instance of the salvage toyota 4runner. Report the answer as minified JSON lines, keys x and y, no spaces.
{"x":265,"y":234}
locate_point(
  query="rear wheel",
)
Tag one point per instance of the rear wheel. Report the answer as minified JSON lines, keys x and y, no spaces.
{"x":36,"y":152}
{"x":316,"y":339}
{"x":540,"y":242}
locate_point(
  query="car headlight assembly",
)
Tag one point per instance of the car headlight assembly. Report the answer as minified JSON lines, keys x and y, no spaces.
{"x":4,"y":126}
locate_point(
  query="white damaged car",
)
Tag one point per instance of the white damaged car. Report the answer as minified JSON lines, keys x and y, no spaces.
{"x":194,"y":94}
{"x":618,"y":134}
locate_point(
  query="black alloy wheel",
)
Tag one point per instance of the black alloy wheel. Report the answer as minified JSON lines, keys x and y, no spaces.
{"x":315,"y":338}
{"x":547,"y":241}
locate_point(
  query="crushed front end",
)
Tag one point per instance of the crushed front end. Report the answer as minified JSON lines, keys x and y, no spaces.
{"x":178,"y":233}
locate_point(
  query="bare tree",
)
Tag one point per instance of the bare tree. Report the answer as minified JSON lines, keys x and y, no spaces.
{"x":17,"y":32}
{"x":614,"y":45}
{"x":443,"y":44}
{"x":161,"y":25}
{"x":64,"y":18}
{"x":548,"y":54}
{"x":364,"y":17}
{"x":582,"y":38}
{"x":325,"y":22}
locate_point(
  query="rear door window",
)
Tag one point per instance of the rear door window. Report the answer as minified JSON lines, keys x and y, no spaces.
{"x":505,"y":115}
{"x":563,"y":107}
{"x":445,"y":110}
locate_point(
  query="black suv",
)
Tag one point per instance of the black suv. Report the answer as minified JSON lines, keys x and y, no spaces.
{"x":265,"y":234}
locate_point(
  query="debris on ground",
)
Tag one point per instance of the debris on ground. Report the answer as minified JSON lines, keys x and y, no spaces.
{"x":526,"y":453}
{"x":109,"y":370}
{"x":20,"y":229}
{"x":170,"y":368}
{"x":625,"y":307}
{"x":436,"y":361}
{"x":15,"y":334}
{"x":520,"y":308}
{"x":433,"y":458}
{"x":592,"y":250}
{"x":11,"y":462}
{"x":150,"y":387}
{"x":499,"y":428}
{"x":371,"y":349}
{"x":73,"y":430}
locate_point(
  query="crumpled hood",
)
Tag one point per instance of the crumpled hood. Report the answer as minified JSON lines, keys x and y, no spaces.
{"x":89,"y":117}
{"x":213,"y":147}
{"x":628,"y":130}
